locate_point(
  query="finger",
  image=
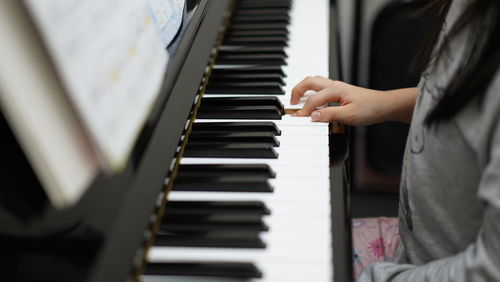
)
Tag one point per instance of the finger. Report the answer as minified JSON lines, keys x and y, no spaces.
{"x":342,"y":114}
{"x":315,"y":83}
{"x":330,"y":94}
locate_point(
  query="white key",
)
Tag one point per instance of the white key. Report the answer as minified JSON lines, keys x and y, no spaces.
{"x":306,"y":193}
{"x":285,"y":120}
{"x":305,"y":150}
{"x":289,"y":171}
{"x":297,"y":272}
{"x":306,"y":140}
{"x":308,"y":51}
{"x":300,"y":128}
{"x":282,"y":160}
{"x":268,"y":255}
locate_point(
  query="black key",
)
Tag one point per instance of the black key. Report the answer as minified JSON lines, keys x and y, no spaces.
{"x":254,"y":50}
{"x":251,"y":77}
{"x":215,"y":218}
{"x":203,"y":224}
{"x":280,"y":32}
{"x":260,"y":18}
{"x":265,"y":126}
{"x":248,"y":70}
{"x":212,"y":239}
{"x":268,"y":11}
{"x":245,"y":59}
{"x":263,"y":4}
{"x":233,"y":170}
{"x":176,"y":208}
{"x":205,"y":269}
{"x":249,"y":54}
{"x":243,"y":101}
{"x":256,"y":40}
{"x":266,"y":88}
{"x":234,"y":137}
{"x":260,"y":151}
{"x":259,"y":26}
{"x":256,"y":85}
{"x":223,"y":184}
{"x":239,"y":112}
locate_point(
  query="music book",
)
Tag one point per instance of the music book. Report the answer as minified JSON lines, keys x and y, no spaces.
{"x":77,"y":82}
{"x":167,"y":15}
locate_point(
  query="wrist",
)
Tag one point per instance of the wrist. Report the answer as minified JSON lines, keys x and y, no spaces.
{"x":400,"y":104}
{"x":386,"y":106}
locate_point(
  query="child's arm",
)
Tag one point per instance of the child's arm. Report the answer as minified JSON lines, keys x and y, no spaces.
{"x":358,"y":106}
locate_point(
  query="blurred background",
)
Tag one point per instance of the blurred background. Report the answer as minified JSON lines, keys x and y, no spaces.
{"x":379,"y":40}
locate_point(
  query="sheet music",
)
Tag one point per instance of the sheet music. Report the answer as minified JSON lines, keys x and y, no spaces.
{"x":42,"y":120}
{"x":112,"y":63}
{"x":167,"y":15}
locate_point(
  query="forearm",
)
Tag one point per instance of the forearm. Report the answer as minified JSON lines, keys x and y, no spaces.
{"x":398,"y":104}
{"x":357,"y":106}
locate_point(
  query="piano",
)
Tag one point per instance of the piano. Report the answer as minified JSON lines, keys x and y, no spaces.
{"x":224,"y":185}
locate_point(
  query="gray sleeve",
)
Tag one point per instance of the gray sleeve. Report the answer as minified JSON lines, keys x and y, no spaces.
{"x":480,"y":261}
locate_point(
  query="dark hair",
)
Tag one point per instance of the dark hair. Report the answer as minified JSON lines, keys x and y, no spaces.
{"x":476,"y":70}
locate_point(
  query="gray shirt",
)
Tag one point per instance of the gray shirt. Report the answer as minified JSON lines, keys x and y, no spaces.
{"x":450,"y":190}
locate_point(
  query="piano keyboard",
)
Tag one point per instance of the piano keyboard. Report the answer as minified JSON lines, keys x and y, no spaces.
{"x":252,"y":196}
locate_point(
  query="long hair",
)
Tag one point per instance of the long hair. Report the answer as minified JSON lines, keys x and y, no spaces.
{"x":477,"y":69}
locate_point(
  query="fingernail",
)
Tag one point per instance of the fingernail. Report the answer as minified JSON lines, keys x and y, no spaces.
{"x":296,"y":114}
{"x":316,"y":116}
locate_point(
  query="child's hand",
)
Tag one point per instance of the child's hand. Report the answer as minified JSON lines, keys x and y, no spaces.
{"x":358,"y":106}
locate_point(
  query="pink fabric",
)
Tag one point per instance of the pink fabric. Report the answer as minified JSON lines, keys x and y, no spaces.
{"x":373,"y":240}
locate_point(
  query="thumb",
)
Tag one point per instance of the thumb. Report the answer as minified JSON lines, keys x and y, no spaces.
{"x":334,"y":113}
